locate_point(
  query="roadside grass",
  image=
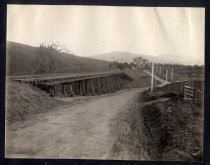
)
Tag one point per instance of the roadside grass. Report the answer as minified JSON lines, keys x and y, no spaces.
{"x":140,"y":78}
{"x":172,"y":129}
{"x":127,"y":133}
{"x":23,"y":100}
{"x":159,"y":126}
{"x":183,"y":74}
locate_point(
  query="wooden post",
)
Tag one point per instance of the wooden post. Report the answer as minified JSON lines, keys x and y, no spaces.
{"x":105,"y":87}
{"x":71,"y":89}
{"x":102,"y":85}
{"x":118,"y":82}
{"x":79,"y":87}
{"x":92,"y":87}
{"x":63,"y":89}
{"x":166,"y":76}
{"x":89,"y":86}
{"x":99,"y":86}
{"x":108,"y":84}
{"x":86,"y":87}
{"x":83,"y":88}
{"x":111,"y":84}
{"x":194,"y":91}
{"x":160,"y":70}
{"x":52,"y":91}
{"x":55,"y":90}
{"x":152,"y":78}
{"x":76,"y":87}
{"x":172,"y":74}
{"x":114,"y":85}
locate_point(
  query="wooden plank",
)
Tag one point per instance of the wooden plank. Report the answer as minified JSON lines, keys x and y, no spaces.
{"x":189,"y":87}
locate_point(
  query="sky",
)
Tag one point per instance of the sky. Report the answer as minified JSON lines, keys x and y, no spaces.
{"x":92,"y":30}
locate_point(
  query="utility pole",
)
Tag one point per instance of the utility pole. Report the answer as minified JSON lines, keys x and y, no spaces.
{"x":172,"y":74}
{"x":160,"y":70}
{"x":166,"y":76}
{"x":156,"y":70}
{"x":152,"y":78}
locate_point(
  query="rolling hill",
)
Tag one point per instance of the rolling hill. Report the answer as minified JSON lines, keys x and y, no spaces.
{"x":121,"y":56}
{"x":22,"y":60}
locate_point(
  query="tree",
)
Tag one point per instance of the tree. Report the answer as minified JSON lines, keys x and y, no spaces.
{"x":48,"y":55}
{"x":141,"y":63}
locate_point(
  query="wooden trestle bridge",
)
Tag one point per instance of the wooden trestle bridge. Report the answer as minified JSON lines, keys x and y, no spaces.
{"x":71,"y":84}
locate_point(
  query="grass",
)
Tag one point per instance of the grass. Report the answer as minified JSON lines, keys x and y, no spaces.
{"x":141,"y":79}
{"x":187,"y":73}
{"x":172,"y":129}
{"x":21,"y":61}
{"x":23,"y":100}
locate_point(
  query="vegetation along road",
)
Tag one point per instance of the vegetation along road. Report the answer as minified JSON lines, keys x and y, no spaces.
{"x":81,"y":131}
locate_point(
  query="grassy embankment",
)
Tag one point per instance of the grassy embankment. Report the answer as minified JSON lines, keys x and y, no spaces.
{"x":141,"y":79}
{"x":23,"y":100}
{"x":160,"y":126}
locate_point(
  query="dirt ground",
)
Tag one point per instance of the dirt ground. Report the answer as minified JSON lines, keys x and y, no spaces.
{"x":79,"y":131}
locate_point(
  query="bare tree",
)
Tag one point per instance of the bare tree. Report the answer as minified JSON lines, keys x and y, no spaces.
{"x":48,"y":55}
{"x":140,"y":63}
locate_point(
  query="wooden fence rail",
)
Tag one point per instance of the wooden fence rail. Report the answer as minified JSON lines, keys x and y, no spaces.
{"x":190,"y":90}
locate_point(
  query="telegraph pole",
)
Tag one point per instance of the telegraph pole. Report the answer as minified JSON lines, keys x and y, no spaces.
{"x":156,"y":70}
{"x":152,"y":85}
{"x":160,"y":70}
{"x":172,"y":74}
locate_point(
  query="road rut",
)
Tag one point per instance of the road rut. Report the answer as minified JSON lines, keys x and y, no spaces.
{"x":80,"y":131}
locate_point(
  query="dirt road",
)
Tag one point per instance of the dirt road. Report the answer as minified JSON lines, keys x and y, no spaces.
{"x":81,"y":131}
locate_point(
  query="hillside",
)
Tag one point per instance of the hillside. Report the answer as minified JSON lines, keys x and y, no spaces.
{"x":21,"y":60}
{"x":121,"y":56}
{"x":118,"y":56}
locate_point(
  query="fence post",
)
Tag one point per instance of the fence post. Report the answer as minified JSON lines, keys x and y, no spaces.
{"x":182,"y":88}
{"x":194,"y":90}
{"x":172,"y":74}
{"x":152,"y":78}
{"x":160,"y":70}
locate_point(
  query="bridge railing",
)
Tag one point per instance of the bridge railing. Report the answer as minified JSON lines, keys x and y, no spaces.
{"x":61,"y":77}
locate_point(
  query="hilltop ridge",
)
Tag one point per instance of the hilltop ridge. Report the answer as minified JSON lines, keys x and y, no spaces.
{"x":123,"y":56}
{"x":21,"y":60}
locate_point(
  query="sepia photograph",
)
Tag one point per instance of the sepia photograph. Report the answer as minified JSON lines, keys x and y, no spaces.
{"x":105,"y":82}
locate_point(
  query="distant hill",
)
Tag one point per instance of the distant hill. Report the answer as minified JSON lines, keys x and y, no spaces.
{"x":121,"y":56}
{"x":21,"y":61}
{"x":116,"y":56}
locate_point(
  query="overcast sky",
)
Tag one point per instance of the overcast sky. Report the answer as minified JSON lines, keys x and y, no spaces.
{"x":91,"y":30}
